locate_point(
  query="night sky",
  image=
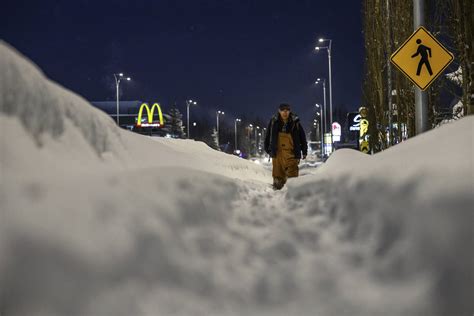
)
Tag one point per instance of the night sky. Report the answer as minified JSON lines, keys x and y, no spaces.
{"x":239,"y":56}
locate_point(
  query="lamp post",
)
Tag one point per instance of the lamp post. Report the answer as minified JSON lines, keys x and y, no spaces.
{"x":235,"y":123}
{"x":218,"y":113}
{"x":256,"y":139}
{"x":250,"y":131}
{"x":259,"y":142}
{"x":118,"y":78}
{"x":188,"y":103}
{"x":328,"y":48}
{"x":321,"y":127}
{"x":319,"y":80}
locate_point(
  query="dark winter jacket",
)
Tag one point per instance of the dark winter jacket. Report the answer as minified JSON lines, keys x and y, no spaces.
{"x":297,"y":134}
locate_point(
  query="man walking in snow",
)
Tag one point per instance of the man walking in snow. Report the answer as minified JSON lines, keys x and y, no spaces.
{"x":285,"y":141}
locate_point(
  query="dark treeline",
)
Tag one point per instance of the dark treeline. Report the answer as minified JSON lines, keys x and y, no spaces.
{"x":387,"y":24}
{"x":250,"y":132}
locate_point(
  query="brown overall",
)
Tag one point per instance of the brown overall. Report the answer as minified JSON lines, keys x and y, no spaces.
{"x":285,"y":165}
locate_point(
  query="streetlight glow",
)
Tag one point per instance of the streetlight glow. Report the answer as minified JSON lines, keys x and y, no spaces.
{"x":188,"y":103}
{"x":235,"y":123}
{"x":118,"y":77}
{"x":217,"y":117}
{"x":328,"y":49}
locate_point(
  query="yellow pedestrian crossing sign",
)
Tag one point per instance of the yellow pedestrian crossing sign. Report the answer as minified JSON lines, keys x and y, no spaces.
{"x":422,"y":58}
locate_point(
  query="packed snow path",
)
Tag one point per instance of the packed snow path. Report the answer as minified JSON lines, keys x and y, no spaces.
{"x":99,"y":221}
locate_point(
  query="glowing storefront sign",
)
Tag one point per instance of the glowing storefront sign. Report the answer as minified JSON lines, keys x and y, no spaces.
{"x":150,"y":113}
{"x":354,"y":121}
{"x":336,"y":132}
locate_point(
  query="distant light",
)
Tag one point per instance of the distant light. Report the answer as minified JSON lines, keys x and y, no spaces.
{"x":195,"y":102}
{"x":128,"y":79}
{"x":194,"y":123}
{"x":317,"y":105}
{"x":121,"y":74}
{"x":321,"y":40}
{"x":317,"y":48}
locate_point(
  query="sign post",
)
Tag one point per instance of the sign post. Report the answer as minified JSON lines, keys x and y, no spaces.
{"x":422,"y":59}
{"x":421,"y":98}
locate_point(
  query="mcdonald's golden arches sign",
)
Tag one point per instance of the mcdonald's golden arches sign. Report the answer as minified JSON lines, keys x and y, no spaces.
{"x":150,"y":112}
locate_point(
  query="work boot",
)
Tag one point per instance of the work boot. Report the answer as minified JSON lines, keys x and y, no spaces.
{"x":278,"y":183}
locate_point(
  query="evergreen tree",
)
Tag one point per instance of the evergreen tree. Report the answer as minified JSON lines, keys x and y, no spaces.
{"x":214,"y":141}
{"x":176,"y":128}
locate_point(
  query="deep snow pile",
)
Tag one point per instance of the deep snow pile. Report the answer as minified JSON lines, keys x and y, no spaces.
{"x":100,"y":221}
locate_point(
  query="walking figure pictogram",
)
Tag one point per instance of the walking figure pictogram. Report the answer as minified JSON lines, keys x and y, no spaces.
{"x":424,"y":51}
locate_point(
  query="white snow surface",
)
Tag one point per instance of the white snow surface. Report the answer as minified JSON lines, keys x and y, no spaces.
{"x":95,"y":220}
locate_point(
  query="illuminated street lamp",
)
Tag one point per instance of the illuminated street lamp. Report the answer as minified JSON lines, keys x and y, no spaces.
{"x":318,"y":81}
{"x":320,"y":114}
{"x":235,"y":123}
{"x":119,"y":77}
{"x":328,"y":48}
{"x":188,"y":103}
{"x":256,"y":139}
{"x":250,"y":128}
{"x":217,"y":114}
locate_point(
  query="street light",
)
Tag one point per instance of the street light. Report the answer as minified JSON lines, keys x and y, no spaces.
{"x":318,"y":81}
{"x":328,"y":48}
{"x":256,"y":139}
{"x":218,"y":113}
{"x":235,"y":123}
{"x":119,"y":77}
{"x":188,"y":103}
{"x":321,"y":126}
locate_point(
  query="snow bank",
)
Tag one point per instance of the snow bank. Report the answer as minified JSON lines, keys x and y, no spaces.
{"x":405,"y":215}
{"x":100,"y":221}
